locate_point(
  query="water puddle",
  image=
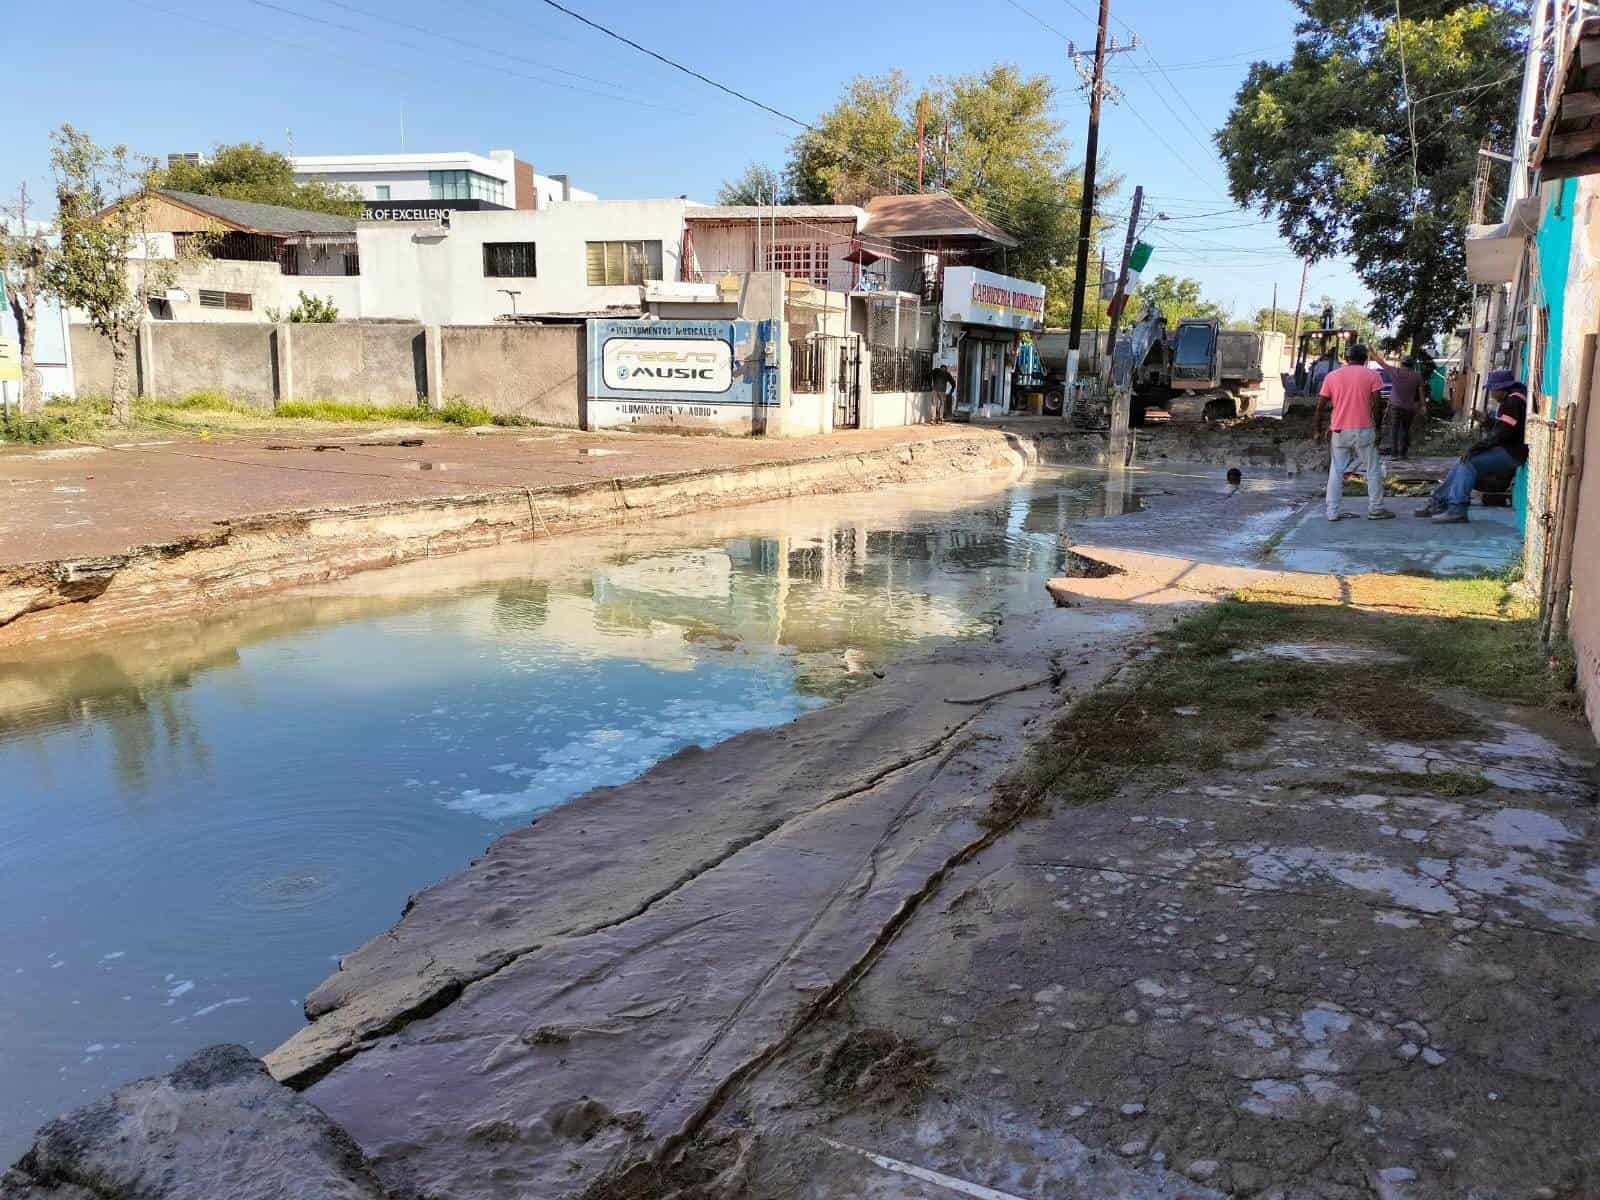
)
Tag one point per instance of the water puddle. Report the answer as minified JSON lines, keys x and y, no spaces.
{"x":199,"y":819}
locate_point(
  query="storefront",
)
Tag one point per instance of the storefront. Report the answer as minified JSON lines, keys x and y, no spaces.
{"x":983,"y":318}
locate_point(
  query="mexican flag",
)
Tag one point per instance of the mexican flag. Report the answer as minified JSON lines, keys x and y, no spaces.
{"x":1136,"y":264}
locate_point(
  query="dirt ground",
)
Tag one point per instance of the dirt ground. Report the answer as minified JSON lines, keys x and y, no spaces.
{"x":79,"y":501}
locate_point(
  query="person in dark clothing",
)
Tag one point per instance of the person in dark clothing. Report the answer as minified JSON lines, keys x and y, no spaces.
{"x":1502,"y":451}
{"x":1406,"y":390}
{"x":944,"y":389}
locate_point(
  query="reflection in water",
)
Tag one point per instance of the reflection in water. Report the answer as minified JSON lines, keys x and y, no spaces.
{"x":198,"y":820}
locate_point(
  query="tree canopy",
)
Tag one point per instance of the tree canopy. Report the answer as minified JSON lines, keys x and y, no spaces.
{"x":1323,"y":141}
{"x":1006,"y":158}
{"x":756,"y":184}
{"x":249,"y":171}
{"x":1178,"y":299}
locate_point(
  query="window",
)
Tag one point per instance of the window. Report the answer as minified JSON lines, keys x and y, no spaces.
{"x":465,"y":185}
{"x":800,"y":260}
{"x":616,"y":264}
{"x":237,"y":301}
{"x":382,"y":190}
{"x":509,"y":260}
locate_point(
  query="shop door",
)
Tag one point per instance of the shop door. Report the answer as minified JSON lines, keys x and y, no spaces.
{"x":847,"y":393}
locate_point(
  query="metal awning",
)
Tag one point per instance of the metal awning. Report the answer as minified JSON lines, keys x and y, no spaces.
{"x":1569,"y":143}
{"x":1494,"y":252}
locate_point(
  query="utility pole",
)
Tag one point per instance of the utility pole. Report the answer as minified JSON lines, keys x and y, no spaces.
{"x":1095,"y":80}
{"x":922,"y":124}
{"x":944,"y":182}
{"x":1118,"y":299}
{"x":1305,"y":266}
{"x":1274,"y":325}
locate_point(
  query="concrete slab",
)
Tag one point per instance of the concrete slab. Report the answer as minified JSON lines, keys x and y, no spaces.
{"x":1403,"y":546}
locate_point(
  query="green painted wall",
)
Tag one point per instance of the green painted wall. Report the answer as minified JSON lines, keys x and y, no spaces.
{"x":1554,"y":241}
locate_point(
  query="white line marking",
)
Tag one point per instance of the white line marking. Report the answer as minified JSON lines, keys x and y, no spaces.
{"x":960,"y":1186}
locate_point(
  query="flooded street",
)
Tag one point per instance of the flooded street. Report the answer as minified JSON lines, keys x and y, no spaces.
{"x":264,"y":790}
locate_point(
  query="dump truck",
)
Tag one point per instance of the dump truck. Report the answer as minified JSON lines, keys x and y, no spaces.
{"x":1199,"y":371}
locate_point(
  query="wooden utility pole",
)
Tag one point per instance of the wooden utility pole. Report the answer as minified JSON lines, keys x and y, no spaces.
{"x":1274,"y":326}
{"x":1299,"y":304}
{"x":1122,"y":277}
{"x":922,"y":125}
{"x":1086,"y":207}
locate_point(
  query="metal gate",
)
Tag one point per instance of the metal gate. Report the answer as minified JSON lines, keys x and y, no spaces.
{"x":847,"y":390}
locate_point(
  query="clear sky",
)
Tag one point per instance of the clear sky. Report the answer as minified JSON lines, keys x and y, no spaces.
{"x":354,"y":76}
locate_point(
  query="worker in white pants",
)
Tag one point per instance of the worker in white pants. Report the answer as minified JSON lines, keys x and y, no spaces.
{"x":1355,"y":447}
{"x":1353,"y":391}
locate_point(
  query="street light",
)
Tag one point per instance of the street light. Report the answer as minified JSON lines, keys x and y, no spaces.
{"x":513,"y":293}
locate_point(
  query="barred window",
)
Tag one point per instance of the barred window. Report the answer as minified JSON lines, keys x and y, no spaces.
{"x":616,"y":264}
{"x":237,"y":301}
{"x":800,"y":260}
{"x":509,"y":260}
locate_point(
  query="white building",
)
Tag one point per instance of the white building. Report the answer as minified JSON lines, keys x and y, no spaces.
{"x":413,"y":187}
{"x":565,"y":261}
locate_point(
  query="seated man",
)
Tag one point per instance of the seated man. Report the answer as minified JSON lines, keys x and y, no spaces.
{"x":1502,"y":451}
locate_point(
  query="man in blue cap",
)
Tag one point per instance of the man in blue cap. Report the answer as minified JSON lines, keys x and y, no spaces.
{"x":1502,"y":451}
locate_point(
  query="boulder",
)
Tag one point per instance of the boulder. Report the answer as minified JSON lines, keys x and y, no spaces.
{"x":217,"y":1126}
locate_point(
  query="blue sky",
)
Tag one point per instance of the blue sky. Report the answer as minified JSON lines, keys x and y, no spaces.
{"x":340,"y":76}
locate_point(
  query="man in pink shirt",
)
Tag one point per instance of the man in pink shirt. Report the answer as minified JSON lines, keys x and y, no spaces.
{"x":1352,"y":390}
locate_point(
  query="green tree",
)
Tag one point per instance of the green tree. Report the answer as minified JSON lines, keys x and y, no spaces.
{"x":1006,"y":159}
{"x":1323,"y":141}
{"x":1178,"y":299}
{"x":757,"y":184}
{"x":249,"y":171}
{"x":107,"y":264}
{"x":1264,"y":320}
{"x":26,"y":260}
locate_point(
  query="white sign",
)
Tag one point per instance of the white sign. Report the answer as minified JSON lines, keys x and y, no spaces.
{"x":703,"y":365}
{"x":974,"y":297}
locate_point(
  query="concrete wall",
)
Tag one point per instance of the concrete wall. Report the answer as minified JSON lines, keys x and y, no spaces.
{"x":435,"y":274}
{"x":535,"y":372}
{"x":889,"y":410}
{"x":1582,"y":316}
{"x":371,"y":364}
{"x":240,"y":361}
{"x":91,"y":361}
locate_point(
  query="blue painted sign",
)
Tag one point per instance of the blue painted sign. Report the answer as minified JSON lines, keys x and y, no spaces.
{"x":672,"y":372}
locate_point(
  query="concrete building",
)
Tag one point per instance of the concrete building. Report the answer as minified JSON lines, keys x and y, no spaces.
{"x":1537,"y":312}
{"x":241,"y":261}
{"x":880,"y":278}
{"x":569,"y":260}
{"x":423,"y":187}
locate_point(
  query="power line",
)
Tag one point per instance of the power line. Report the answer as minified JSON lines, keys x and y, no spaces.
{"x":678,"y":66}
{"x":1411,"y":112}
{"x":882,"y":168}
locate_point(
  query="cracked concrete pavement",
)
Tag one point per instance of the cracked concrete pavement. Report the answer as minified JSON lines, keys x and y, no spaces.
{"x":1315,"y":972}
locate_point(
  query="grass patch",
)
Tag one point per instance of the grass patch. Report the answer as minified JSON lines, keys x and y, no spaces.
{"x":340,"y":410}
{"x":1129,"y":732}
{"x":878,"y":1063}
{"x":88,"y":419}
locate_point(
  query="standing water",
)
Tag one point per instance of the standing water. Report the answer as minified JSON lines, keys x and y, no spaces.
{"x":199,"y":819}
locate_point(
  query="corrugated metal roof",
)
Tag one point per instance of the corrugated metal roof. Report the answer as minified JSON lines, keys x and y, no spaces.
{"x":250,"y":217}
{"x":929,"y":214}
{"x":793,"y":212}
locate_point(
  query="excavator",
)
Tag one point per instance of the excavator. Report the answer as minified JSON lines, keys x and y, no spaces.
{"x":1196,"y":371}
